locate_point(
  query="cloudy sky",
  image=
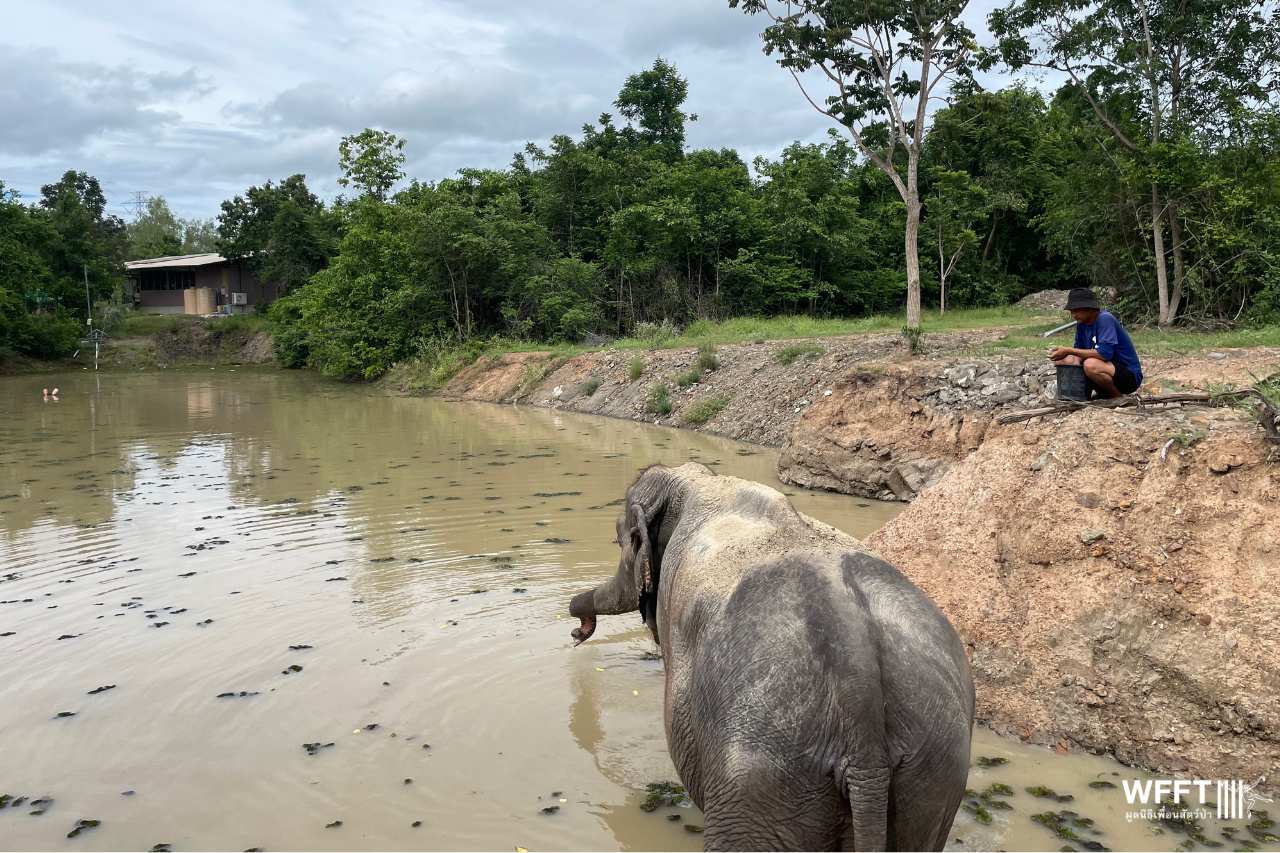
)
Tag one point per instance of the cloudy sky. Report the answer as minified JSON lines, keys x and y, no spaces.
{"x":195,"y":104}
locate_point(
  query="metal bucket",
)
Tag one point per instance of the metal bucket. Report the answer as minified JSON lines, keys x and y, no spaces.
{"x":1072,"y":384}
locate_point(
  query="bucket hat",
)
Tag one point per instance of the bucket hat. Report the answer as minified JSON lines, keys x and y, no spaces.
{"x":1082,"y":297}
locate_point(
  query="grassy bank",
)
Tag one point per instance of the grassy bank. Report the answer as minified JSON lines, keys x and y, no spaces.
{"x":1150,"y":341}
{"x":438,"y":363}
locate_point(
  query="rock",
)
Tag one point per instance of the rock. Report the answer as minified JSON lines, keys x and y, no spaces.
{"x":1088,"y":537}
{"x":962,"y":375}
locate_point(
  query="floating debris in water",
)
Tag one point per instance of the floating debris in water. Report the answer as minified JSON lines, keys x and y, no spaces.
{"x":1064,"y":825}
{"x":550,"y":809}
{"x":64,"y":714}
{"x":232,"y":693}
{"x":82,"y":825}
{"x":103,"y":689}
{"x":334,"y":825}
{"x":996,"y":761}
{"x":659,"y":794}
{"x":315,"y":747}
{"x":692,"y":827}
{"x":1049,"y":794}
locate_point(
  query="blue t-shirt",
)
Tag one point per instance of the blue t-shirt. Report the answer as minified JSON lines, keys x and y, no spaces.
{"x":1112,"y":342}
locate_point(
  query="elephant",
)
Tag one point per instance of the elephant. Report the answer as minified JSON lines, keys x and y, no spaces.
{"x":815,"y":699}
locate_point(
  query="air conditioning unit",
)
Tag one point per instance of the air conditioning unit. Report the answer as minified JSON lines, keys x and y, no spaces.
{"x":239,"y":299}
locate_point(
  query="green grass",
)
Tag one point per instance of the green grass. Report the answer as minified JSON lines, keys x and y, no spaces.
{"x":787,"y":355}
{"x":140,"y":325}
{"x":589,"y":387}
{"x":692,"y":376}
{"x":1148,"y":341}
{"x":707,"y":358}
{"x":635,"y":368}
{"x":706,"y":409}
{"x":246,"y":323}
{"x":659,"y":402}
{"x":743,"y":329}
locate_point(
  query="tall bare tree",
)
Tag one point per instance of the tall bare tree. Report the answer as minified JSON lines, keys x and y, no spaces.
{"x":883,"y":61}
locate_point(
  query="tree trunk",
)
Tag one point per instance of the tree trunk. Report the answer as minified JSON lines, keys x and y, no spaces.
{"x":1162,"y":271}
{"x":1179,"y":267}
{"x":942,"y":275}
{"x":912,"y":243}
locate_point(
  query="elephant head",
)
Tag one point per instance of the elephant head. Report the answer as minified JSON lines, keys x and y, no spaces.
{"x":635,"y":585}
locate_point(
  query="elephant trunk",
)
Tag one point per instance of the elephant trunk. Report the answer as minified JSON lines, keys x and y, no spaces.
{"x":616,"y":595}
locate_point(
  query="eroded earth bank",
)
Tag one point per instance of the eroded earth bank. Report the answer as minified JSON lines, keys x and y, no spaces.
{"x":1114,"y":574}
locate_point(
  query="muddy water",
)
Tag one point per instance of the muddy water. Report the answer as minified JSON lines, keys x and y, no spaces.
{"x":384,"y":579}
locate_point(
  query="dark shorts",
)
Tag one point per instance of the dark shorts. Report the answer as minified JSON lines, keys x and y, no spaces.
{"x":1126,"y":382}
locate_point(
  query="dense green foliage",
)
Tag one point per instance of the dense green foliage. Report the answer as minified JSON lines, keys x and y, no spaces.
{"x":156,"y":232}
{"x":620,"y":230}
{"x":48,"y":251}
{"x":282,"y":231}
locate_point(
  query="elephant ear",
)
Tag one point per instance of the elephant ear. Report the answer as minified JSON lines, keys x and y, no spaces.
{"x":642,"y":550}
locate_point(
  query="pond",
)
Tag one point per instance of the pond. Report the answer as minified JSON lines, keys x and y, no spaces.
{"x":249,"y":609}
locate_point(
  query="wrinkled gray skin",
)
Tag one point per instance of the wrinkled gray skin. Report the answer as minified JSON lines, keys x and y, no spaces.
{"x":815,"y":698}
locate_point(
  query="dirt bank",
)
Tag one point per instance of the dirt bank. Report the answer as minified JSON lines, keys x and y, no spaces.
{"x":188,"y":344}
{"x":1112,"y":600}
{"x":765,"y":386}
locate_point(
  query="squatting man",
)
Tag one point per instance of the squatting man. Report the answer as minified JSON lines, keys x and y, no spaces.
{"x":1103,"y":348}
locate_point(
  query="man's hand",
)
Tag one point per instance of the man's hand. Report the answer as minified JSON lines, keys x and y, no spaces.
{"x":1060,"y":352}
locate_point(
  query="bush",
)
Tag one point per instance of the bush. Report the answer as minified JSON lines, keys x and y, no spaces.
{"x":788,"y":355}
{"x":589,"y":387}
{"x":690,"y":377}
{"x":659,"y":402}
{"x":635,"y":368}
{"x":706,"y":409}
{"x":46,"y":335}
{"x":914,"y":338}
{"x":707,"y":359}
{"x":654,"y":335}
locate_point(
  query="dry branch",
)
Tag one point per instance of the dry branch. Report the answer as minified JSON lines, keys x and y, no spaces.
{"x":1268,"y":415}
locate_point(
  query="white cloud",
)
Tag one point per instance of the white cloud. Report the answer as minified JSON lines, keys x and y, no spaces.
{"x":196,"y":103}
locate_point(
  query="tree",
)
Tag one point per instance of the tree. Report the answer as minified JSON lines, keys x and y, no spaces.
{"x":372,"y":161}
{"x":1150,"y":71}
{"x":89,"y":243}
{"x":199,"y":236}
{"x":281,"y":230}
{"x":884,"y":60}
{"x":652,"y":99}
{"x":156,"y":232}
{"x":955,"y":202}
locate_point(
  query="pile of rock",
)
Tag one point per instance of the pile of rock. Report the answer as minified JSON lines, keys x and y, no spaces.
{"x":989,"y":385}
{"x":1053,"y":300}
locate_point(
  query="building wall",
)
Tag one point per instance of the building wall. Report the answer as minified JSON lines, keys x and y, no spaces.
{"x":160,"y":301}
{"x":214,"y":284}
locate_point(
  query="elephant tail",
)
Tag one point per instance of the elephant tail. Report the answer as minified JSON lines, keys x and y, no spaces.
{"x":868,"y":792}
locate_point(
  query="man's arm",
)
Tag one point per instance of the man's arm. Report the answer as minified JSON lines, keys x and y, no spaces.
{"x":1082,"y":354}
